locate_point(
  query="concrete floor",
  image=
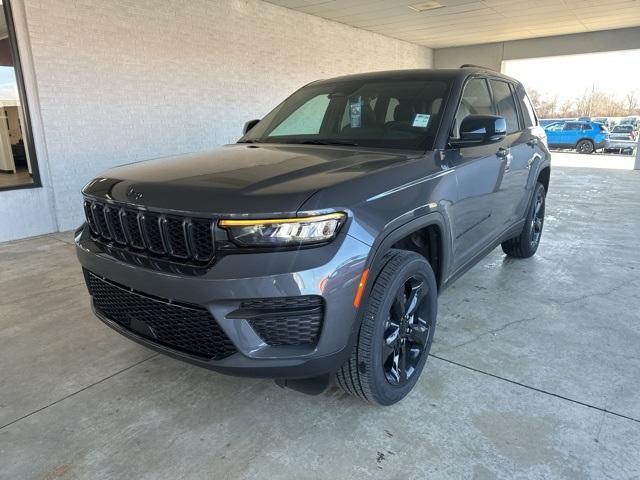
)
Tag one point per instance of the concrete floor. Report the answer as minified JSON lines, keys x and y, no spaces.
{"x":534,"y":374}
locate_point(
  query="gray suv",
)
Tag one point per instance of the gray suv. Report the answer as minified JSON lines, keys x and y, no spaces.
{"x":314,"y":249}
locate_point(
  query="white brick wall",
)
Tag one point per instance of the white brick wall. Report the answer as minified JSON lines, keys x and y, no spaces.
{"x":124,"y":80}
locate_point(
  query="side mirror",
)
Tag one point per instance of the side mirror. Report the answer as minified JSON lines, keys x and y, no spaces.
{"x":249,"y":125}
{"x":482,"y":129}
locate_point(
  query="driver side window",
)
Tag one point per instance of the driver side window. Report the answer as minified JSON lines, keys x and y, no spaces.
{"x":476,"y":100}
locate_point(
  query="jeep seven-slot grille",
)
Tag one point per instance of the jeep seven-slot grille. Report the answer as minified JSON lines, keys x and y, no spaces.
{"x":183,"y":239}
{"x":186,"y":328}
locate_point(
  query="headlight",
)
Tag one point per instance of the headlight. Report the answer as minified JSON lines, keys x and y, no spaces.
{"x":280,"y":232}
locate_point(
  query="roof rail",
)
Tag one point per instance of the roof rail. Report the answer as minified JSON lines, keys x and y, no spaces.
{"x":471,"y":65}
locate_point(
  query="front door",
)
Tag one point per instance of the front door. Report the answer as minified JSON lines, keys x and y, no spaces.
{"x":480,"y":171}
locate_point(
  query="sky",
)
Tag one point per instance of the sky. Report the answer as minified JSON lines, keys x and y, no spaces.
{"x":8,"y":89}
{"x":570,"y":75}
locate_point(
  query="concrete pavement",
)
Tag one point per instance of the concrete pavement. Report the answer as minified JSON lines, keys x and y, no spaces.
{"x":534,"y":374}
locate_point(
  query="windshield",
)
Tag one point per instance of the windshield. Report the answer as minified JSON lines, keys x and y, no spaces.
{"x":402,"y":114}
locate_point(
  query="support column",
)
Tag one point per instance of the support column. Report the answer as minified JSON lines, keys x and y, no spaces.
{"x":637,"y":164}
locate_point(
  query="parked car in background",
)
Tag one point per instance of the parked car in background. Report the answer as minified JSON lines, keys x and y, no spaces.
{"x":604,"y":121}
{"x":584,"y":137}
{"x":633,"y":120}
{"x":622,"y":139}
{"x":625,"y":128}
{"x":548,"y":121}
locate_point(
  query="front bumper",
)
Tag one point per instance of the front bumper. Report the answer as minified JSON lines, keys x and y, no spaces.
{"x":331,"y":271}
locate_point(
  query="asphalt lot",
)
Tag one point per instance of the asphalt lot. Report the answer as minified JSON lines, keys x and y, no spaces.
{"x":534,"y":374}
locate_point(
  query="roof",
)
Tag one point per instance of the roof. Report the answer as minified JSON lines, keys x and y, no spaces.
{"x":417,"y":74}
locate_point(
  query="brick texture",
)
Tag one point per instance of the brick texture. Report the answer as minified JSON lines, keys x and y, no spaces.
{"x":123,"y":80}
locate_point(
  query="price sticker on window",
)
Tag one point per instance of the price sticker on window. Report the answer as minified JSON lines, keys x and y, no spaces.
{"x":355,"y":112}
{"x":421,"y":120}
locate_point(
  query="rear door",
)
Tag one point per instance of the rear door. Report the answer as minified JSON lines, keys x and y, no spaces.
{"x":479,"y":171}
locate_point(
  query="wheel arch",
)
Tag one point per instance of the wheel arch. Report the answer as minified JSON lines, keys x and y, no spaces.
{"x":544,"y":175}
{"x":590,"y":140}
{"x":431,"y":228}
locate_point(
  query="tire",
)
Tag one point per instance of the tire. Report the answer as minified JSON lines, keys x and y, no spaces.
{"x":585,"y":147}
{"x":526,"y":244}
{"x":374,"y":370}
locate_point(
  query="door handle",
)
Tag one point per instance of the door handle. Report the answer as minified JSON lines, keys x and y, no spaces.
{"x":530,"y":162}
{"x":505,"y":154}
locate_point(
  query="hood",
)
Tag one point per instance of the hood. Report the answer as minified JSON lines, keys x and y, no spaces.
{"x":239,"y":179}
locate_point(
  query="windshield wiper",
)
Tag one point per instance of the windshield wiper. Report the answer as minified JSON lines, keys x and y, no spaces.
{"x":328,"y":142}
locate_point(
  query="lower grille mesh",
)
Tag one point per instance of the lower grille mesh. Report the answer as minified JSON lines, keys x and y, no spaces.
{"x":184,"y":328}
{"x":284,"y":321}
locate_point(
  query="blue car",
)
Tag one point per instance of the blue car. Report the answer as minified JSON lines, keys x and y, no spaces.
{"x":584,"y":137}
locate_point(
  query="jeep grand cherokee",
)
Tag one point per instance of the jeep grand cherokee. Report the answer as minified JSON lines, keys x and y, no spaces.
{"x":314,"y":249}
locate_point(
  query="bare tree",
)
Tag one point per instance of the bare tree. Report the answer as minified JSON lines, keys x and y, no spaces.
{"x":631,"y":102}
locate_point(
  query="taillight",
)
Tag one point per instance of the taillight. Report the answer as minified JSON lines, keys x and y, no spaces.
{"x":603,"y":128}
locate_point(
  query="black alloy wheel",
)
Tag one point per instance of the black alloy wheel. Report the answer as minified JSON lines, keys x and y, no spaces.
{"x":396,"y":333}
{"x":585,"y":147}
{"x":526,"y":243}
{"x":406,"y":332}
{"x":538,"y":219}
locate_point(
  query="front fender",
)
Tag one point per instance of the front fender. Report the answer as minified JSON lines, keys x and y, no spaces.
{"x":394,"y":232}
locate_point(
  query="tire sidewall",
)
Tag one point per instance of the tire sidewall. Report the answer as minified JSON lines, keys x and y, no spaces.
{"x":527,"y":246}
{"x":384,"y":392}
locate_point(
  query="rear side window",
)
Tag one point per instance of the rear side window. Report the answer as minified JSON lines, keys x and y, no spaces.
{"x":506,"y":105}
{"x":476,"y":100}
{"x":529,"y":113}
{"x":572,"y":126}
{"x":586,"y":126}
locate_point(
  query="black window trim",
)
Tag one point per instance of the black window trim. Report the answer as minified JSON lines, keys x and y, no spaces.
{"x":27,"y":131}
{"x":514,"y":95}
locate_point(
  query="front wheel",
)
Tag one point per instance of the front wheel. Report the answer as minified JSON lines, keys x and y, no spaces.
{"x":396,"y":332}
{"x":526,"y":244}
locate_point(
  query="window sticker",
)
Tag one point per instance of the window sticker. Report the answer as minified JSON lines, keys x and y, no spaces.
{"x":421,"y":120}
{"x":355,"y":112}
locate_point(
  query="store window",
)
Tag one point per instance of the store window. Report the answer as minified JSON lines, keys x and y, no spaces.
{"x":18,"y":166}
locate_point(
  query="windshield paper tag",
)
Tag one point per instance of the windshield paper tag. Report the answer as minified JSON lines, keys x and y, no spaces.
{"x":421,"y":120}
{"x":355,"y":112}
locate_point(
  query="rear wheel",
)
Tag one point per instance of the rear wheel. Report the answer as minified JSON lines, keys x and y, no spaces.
{"x":526,"y":244}
{"x":396,"y":332}
{"x":585,"y":146}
